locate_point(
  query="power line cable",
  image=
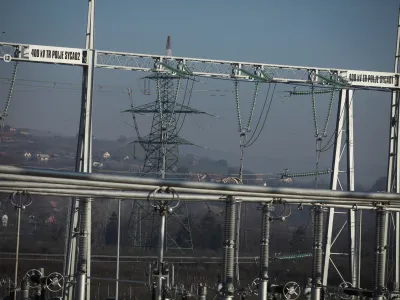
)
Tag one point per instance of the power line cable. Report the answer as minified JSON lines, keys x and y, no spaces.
{"x":265,"y":120}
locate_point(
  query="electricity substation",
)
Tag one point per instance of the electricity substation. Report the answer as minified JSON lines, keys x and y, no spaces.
{"x":159,"y":201}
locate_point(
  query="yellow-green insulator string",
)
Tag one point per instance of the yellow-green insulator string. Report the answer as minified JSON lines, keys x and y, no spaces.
{"x":253,"y":106}
{"x":238,"y":105}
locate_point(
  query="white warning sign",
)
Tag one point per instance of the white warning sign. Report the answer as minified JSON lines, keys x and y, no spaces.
{"x":372,"y":79}
{"x":55,"y":55}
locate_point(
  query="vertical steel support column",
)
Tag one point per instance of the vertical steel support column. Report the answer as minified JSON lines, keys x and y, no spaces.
{"x":173,"y":276}
{"x":353,"y":257}
{"x":84,"y":165}
{"x":380,"y":252}
{"x":264,"y":251}
{"x":118,"y":248}
{"x":334,"y":181}
{"x":73,"y":221}
{"x":19,"y":208}
{"x":344,"y":118}
{"x":393,"y":178}
{"x":317,"y":253}
{"x":163,"y":212}
{"x":228,"y":264}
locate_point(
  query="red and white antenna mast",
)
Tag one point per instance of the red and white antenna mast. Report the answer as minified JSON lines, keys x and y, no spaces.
{"x":168,"y":51}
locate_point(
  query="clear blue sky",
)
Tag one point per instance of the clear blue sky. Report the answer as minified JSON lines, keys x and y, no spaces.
{"x":358,"y":34}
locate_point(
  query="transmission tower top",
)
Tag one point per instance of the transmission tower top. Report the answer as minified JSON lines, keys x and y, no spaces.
{"x":168,"y":51}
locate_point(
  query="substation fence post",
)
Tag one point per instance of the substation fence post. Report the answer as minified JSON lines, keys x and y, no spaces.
{"x":380,"y":252}
{"x":317,"y":261}
{"x":264,"y":251}
{"x":229,"y":249}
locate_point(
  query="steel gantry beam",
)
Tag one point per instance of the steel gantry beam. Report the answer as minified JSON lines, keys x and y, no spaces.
{"x":212,"y":68}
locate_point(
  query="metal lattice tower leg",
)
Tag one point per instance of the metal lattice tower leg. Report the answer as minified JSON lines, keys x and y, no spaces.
{"x":344,"y":124}
{"x":393,"y":178}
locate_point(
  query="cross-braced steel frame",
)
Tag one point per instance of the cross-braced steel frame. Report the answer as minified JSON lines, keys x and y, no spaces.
{"x":78,"y":254}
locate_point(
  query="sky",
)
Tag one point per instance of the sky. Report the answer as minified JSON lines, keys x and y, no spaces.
{"x":358,"y":34}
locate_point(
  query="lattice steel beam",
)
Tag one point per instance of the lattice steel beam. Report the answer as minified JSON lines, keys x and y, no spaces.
{"x":223,"y":69}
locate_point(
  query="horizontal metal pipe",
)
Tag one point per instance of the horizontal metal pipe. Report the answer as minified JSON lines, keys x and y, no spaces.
{"x":36,"y":185}
{"x":27,"y":181}
{"x":187,"y":197}
{"x":150,"y":257}
{"x":289,"y":199}
{"x":41,"y":184}
{"x":122,"y":261}
{"x":363,"y":207}
{"x":22,"y":181}
{"x":371,"y":197}
{"x":119,"y":280}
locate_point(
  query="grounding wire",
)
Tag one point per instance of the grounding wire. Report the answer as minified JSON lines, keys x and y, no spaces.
{"x":248,"y":144}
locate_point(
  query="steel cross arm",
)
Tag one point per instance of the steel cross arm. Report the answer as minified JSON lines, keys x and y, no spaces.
{"x":222,"y":69}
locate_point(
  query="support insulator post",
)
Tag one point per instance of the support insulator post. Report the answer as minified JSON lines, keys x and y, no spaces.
{"x":83,"y":247}
{"x":317,"y":253}
{"x":202,"y":291}
{"x":380,"y":252}
{"x":264,"y":251}
{"x":229,"y":249}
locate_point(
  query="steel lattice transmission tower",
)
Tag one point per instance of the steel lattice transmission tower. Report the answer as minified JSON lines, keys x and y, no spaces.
{"x":161,"y":147}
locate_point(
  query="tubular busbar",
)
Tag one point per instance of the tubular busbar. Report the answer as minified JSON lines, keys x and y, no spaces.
{"x":211,"y":188}
{"x":204,"y":196}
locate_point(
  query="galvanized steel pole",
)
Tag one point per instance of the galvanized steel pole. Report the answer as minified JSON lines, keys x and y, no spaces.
{"x":163,"y":212}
